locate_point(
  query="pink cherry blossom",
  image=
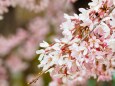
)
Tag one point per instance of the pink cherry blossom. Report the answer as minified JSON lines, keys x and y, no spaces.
{"x":86,"y":49}
{"x":94,"y":42}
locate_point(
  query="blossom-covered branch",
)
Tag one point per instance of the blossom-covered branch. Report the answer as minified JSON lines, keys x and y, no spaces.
{"x":87,"y":48}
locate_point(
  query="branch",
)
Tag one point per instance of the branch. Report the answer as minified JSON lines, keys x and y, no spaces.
{"x":34,"y":80}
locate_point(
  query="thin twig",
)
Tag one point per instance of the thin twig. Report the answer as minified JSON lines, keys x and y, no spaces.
{"x":40,"y":74}
{"x":34,"y":80}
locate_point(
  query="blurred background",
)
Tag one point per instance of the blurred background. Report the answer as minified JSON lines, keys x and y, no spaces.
{"x":23,"y":25}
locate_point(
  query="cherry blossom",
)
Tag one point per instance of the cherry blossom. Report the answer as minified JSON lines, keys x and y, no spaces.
{"x":86,"y":49}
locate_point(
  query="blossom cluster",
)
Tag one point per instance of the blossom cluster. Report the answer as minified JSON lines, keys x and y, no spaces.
{"x":87,"y":48}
